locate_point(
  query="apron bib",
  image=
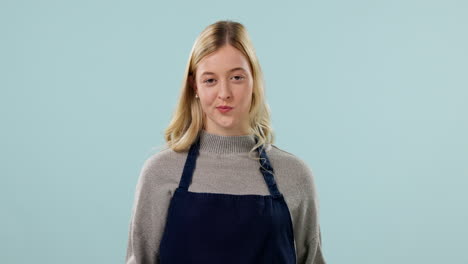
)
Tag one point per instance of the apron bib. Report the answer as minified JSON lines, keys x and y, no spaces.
{"x":227,"y":228}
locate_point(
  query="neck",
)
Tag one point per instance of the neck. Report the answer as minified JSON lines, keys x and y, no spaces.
{"x":220,"y":144}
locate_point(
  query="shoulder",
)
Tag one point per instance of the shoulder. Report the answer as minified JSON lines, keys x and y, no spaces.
{"x":162,"y":157}
{"x":288,"y":158}
{"x":290,"y":166}
{"x":162,"y":165}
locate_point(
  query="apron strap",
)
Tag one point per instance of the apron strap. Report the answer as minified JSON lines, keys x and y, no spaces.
{"x":267,"y":170}
{"x":189,"y":166}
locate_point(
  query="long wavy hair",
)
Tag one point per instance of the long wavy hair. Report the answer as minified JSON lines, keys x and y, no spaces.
{"x":188,"y":118}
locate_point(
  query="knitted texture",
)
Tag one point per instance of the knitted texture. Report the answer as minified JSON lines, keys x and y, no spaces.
{"x":223,"y":166}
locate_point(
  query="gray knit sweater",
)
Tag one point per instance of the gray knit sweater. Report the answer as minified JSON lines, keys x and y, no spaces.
{"x":223,"y":166}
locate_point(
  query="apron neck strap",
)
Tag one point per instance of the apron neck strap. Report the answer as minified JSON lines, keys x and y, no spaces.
{"x":265,"y":167}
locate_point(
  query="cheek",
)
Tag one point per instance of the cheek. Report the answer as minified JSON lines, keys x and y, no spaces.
{"x":246,"y":96}
{"x":208,"y":99}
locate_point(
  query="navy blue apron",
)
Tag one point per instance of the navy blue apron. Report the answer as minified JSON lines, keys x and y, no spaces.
{"x":227,"y":228}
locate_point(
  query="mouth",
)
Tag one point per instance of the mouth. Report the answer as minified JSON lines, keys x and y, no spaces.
{"x":224,"y":109}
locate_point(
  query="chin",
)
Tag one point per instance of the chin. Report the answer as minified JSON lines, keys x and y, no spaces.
{"x":226,"y":125}
{"x":229,"y":124}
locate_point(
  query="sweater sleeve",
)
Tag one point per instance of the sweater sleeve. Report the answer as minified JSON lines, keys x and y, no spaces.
{"x":151,"y":201}
{"x":306,"y":222}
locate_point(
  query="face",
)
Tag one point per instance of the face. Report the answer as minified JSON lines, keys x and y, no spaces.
{"x":224,"y":78}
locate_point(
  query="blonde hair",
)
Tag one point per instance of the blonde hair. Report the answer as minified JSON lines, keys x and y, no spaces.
{"x":187,"y":120}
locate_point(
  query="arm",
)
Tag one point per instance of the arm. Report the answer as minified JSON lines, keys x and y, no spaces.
{"x":306,"y":222}
{"x":151,"y":201}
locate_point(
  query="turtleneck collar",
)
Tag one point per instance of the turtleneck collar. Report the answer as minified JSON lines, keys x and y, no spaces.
{"x":225,"y":144}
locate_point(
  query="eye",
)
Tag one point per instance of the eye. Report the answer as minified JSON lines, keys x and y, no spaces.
{"x":240,"y":77}
{"x":208,"y":81}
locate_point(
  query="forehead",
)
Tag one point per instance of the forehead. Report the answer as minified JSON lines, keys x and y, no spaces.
{"x":223,"y":60}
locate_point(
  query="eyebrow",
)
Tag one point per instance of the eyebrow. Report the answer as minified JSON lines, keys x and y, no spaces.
{"x":231,"y":70}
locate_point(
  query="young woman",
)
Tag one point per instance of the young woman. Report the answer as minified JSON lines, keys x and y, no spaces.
{"x":221,"y":192}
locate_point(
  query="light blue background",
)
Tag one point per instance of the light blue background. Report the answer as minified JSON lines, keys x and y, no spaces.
{"x":371,"y":94}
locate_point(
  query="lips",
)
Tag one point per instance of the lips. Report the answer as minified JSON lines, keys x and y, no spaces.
{"x":224,"y":108}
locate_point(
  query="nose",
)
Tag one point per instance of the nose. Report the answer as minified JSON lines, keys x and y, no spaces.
{"x":224,"y":91}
